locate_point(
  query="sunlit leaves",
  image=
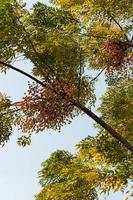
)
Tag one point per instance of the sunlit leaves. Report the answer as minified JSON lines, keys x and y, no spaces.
{"x":116,"y":110}
{"x":115,"y":162}
{"x":49,"y":30}
{"x":51,"y":168}
{"x":104,"y":23}
{"x":43,"y":36}
{"x":11,"y":33}
{"x":63,"y":177}
{"x":112,"y":162}
{"x":4,"y":3}
{"x":52,"y":18}
{"x":78,"y":176}
{"x":98,"y":7}
{"x":117,"y":106}
{"x":61,"y":42}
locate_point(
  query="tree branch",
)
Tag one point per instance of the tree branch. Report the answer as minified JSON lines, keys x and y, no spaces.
{"x":97,"y":75}
{"x":118,"y":24}
{"x":77,"y":104}
{"x":84,"y":109}
{"x":24,"y":73}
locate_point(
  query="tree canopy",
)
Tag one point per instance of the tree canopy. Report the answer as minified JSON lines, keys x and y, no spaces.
{"x":64,"y":42}
{"x":62,"y":63}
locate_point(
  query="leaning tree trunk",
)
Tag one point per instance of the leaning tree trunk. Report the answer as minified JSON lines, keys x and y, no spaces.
{"x":97,"y":119}
{"x":107,"y":127}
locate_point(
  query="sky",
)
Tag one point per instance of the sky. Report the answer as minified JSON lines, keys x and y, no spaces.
{"x":19,"y":166}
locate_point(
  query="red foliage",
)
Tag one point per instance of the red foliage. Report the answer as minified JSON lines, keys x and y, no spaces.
{"x":48,"y":107}
{"x":115,"y":52}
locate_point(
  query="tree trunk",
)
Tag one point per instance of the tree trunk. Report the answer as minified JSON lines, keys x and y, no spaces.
{"x":97,"y":119}
{"x":84,"y":109}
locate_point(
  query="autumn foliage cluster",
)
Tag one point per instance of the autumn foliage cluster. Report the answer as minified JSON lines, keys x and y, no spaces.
{"x":116,"y":53}
{"x":48,"y":107}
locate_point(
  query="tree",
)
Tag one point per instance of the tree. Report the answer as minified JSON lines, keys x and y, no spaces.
{"x":60,"y":60}
{"x":64,"y":42}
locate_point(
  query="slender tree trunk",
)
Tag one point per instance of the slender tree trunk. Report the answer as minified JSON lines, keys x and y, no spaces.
{"x":97,"y":119}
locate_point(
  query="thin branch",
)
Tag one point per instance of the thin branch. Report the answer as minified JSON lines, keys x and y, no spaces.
{"x":118,"y":24}
{"x":97,"y":75}
{"x":64,"y":96}
{"x":18,"y":58}
{"x":24,"y":73}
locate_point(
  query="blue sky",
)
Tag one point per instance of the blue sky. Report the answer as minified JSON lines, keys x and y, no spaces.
{"x":19,"y":166}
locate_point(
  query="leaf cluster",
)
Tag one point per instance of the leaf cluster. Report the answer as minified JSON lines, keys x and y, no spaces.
{"x":6,"y":119}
